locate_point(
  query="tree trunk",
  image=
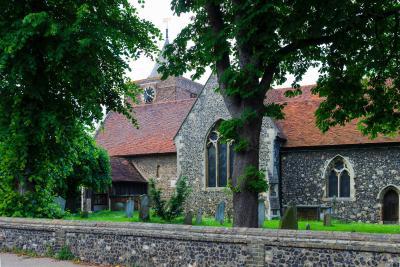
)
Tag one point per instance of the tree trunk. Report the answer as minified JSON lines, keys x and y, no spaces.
{"x":245,"y":202}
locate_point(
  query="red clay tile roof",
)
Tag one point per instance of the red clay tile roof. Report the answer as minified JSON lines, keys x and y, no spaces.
{"x":158,"y":124}
{"x":299,"y":127}
{"x":124,"y":171}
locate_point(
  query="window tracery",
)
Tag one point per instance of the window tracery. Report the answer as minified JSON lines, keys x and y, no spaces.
{"x":339,"y":180}
{"x":219,"y":158}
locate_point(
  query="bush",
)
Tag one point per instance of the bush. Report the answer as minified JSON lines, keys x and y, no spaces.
{"x":158,"y":204}
{"x":289,"y":219}
{"x":65,"y":254}
{"x":172,"y":208}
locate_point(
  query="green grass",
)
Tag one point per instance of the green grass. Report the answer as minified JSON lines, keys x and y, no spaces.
{"x":342,"y":227}
{"x":119,"y":216}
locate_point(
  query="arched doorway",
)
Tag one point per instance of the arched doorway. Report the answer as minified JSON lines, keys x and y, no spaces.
{"x":390,"y":207}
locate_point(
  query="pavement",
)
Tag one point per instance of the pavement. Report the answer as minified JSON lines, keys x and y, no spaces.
{"x":12,"y":260}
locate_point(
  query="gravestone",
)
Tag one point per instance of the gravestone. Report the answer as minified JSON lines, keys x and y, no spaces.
{"x":60,"y":202}
{"x":87,"y":205}
{"x":219,"y":214}
{"x":327,"y":219}
{"x":188,"y":218}
{"x":199,"y":216}
{"x":289,"y":219}
{"x":308,"y":227}
{"x":261,"y":213}
{"x":129,"y":208}
{"x":144,"y":212}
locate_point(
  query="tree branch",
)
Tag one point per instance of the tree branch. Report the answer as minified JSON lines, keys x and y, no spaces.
{"x":303,"y":43}
{"x":221,"y":49}
{"x":221,"y":46}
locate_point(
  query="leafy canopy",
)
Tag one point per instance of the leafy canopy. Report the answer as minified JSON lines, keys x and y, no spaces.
{"x":61,"y":62}
{"x":253,"y":44}
{"x":91,"y":170}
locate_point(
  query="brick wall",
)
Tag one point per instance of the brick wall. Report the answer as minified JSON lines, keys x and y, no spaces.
{"x":145,"y":244}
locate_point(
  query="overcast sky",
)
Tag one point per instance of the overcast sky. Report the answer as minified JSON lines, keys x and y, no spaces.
{"x":156,"y":11}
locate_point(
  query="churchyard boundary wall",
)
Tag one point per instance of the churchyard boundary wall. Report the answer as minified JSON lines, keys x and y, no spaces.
{"x":148,"y":244}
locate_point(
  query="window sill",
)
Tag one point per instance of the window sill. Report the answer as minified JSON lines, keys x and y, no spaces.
{"x":216,"y":189}
{"x":346,"y":199}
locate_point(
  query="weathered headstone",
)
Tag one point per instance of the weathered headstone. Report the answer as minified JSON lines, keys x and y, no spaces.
{"x":261,"y":213}
{"x":144,"y":212}
{"x":199,"y":216}
{"x":87,"y":205}
{"x":219,"y":214}
{"x":60,"y":202}
{"x":327,"y":219}
{"x":188,"y":218}
{"x":289,"y":219}
{"x":308,"y":227}
{"x":129,"y":208}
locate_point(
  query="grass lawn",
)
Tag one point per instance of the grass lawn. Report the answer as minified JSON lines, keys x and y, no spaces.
{"x":119,"y":216}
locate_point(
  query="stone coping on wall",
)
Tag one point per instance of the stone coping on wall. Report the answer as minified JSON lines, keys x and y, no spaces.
{"x":388,"y":243}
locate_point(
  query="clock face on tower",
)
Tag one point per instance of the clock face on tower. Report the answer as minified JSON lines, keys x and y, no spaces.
{"x":149,"y":94}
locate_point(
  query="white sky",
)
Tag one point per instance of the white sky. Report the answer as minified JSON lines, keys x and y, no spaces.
{"x":156,"y":11}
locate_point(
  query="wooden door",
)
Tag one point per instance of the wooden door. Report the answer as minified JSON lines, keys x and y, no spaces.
{"x":391,"y":207}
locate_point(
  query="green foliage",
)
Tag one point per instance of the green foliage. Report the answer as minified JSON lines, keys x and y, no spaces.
{"x":253,"y":45}
{"x":91,"y":170}
{"x":289,"y":219}
{"x":254,"y":180}
{"x":61,"y":63}
{"x":172,"y":208}
{"x":65,"y":254}
{"x":158,"y":204}
{"x":49,"y":251}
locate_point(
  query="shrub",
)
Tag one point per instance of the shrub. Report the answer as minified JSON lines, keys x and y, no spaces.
{"x":65,"y":254}
{"x":157,"y":203}
{"x":289,"y":219}
{"x":172,"y":208}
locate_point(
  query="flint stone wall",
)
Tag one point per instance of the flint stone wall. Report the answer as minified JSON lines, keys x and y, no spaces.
{"x":143,"y":244}
{"x":375,"y":168}
{"x":190,"y":141}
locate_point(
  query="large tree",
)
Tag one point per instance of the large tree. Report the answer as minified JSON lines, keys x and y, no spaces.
{"x":254,"y":44}
{"x":91,"y":170}
{"x":61,"y":62}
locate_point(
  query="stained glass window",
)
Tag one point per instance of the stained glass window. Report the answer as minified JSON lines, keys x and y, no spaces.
{"x":338,"y":179}
{"x":219,"y":160}
{"x":333,"y":184}
{"x":222,"y":164}
{"x":211,"y":166}
{"x":345,"y":184}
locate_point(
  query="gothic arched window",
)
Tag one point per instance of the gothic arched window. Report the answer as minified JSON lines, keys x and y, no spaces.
{"x":219,"y":160}
{"x":338,"y":178}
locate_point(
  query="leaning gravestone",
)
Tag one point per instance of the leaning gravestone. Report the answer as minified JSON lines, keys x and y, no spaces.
{"x":308,"y":227}
{"x":188,"y":218}
{"x":327,"y":219}
{"x":199,"y":216}
{"x":289,"y":219}
{"x":129,"y":208}
{"x":144,"y":212}
{"x":219,"y":214}
{"x":60,"y":202}
{"x":261,"y":213}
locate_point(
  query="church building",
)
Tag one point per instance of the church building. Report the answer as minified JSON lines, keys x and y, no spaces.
{"x":341,"y":171}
